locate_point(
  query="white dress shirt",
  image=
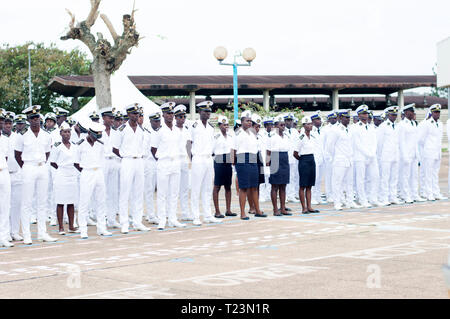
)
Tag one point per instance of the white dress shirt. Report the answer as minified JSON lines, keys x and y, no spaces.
{"x":293,"y":136}
{"x":129,"y":142}
{"x":408,"y":133}
{"x":306,"y":145}
{"x":430,"y":136}
{"x":184,"y":137}
{"x":388,"y":148}
{"x":276,"y":143}
{"x":33,"y":148}
{"x":364,"y":142}
{"x":4,"y":151}
{"x":245,"y":142}
{"x":13,"y":166}
{"x":340,"y":146}
{"x":90,"y":157}
{"x":108,"y":142}
{"x":202,"y":138}
{"x":64,"y":158}
{"x":167,"y":143}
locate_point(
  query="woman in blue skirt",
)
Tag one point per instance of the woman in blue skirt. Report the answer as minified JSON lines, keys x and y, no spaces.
{"x":245,"y":152}
{"x":223,"y":172}
{"x":278,"y":146}
{"x":306,"y":165}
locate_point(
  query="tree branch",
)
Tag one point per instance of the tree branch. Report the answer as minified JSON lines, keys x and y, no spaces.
{"x":108,"y":23}
{"x":93,"y":14}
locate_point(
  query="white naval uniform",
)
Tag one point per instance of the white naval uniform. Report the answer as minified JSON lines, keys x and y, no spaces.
{"x":129,"y":143}
{"x":421,"y":159}
{"x":388,"y":149}
{"x":35,"y":178}
{"x":167,"y":143}
{"x":339,"y":144}
{"x":448,"y":137}
{"x":51,"y":204}
{"x":320,"y":163}
{"x":265,"y":189}
{"x":92,"y":184}
{"x":430,"y":136}
{"x":364,"y":139}
{"x":292,"y":189}
{"x":65,"y":185}
{"x":15,"y":173}
{"x":328,"y":162}
{"x":409,"y":159}
{"x":184,"y":171}
{"x":5,"y":189}
{"x":111,"y":172}
{"x":150,"y":174}
{"x":202,"y":171}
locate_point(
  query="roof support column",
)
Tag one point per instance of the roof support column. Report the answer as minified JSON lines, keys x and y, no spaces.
{"x":335,"y":100}
{"x":401,"y":99}
{"x":266,"y":100}
{"x":192,"y":105}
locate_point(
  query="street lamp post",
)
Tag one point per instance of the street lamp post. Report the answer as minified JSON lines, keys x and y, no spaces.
{"x":29,"y":74}
{"x":249,"y":54}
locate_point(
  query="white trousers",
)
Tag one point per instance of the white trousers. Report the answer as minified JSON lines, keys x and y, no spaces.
{"x":168,"y":179}
{"x":409,"y":176}
{"x":131,"y":194}
{"x":202,"y":185}
{"x":34,"y":188}
{"x":51,"y":204}
{"x":431,"y":177}
{"x":92,"y":190}
{"x":388,"y":181}
{"x":342,"y":182}
{"x":150,"y":177}
{"x":16,"y":202}
{"x":111,"y":172}
{"x":317,"y":189}
{"x":366,"y":180}
{"x":292,"y":189}
{"x":328,"y":176}
{"x":5,"y":198}
{"x":184,"y":189}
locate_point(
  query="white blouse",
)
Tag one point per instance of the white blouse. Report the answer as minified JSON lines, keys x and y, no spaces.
{"x":276,"y":143}
{"x":64,"y":158}
{"x":222,"y":145}
{"x":245,"y":142}
{"x":305,"y":144}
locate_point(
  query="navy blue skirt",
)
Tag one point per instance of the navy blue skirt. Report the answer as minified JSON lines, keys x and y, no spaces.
{"x":247,"y":170}
{"x":223,"y":171}
{"x":307,"y":170}
{"x":279,"y":168}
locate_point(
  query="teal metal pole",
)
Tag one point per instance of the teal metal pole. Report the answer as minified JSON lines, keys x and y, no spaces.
{"x":235,"y":90}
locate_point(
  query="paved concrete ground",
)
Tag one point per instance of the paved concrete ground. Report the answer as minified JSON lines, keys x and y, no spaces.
{"x":393,"y":252}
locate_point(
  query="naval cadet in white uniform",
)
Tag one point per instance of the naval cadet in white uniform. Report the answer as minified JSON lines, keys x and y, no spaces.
{"x":166,"y":150}
{"x":292,"y":189}
{"x":5,"y":192}
{"x":90,"y":160}
{"x":128,"y":147}
{"x":317,"y":131}
{"x":150,"y":170}
{"x":15,"y":174}
{"x":202,"y":139}
{"x":32,"y":151}
{"x":430,"y":136}
{"x":328,"y":159}
{"x":112,"y":167}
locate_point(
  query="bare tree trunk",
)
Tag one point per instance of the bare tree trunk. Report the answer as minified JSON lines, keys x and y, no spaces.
{"x":107,"y":58}
{"x":102,"y":82}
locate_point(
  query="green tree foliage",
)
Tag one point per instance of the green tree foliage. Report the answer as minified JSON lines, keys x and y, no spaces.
{"x":46,"y":62}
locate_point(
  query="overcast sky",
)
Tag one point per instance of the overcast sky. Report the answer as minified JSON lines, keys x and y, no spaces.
{"x":321,"y":37}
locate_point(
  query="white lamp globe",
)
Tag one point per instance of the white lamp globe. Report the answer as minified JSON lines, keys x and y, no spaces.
{"x":249,"y":54}
{"x":220,"y":53}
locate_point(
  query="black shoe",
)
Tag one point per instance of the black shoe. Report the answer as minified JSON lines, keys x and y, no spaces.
{"x":286,"y":214}
{"x":245,"y":218}
{"x":306,"y":213}
{"x":314,"y":211}
{"x":262,"y":215}
{"x":251,"y":213}
{"x":230,"y":214}
{"x":219,"y":216}
{"x":288,"y":209}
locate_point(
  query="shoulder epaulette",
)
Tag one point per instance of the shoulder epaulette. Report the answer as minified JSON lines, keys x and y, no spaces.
{"x":238,"y":132}
{"x":114,"y":128}
{"x":57,"y":144}
{"x":211,"y":125}
{"x":302,"y":136}
{"x":217,"y":136}
{"x":100,"y":142}
{"x":145,"y":129}
{"x":23,"y":131}
{"x":141,"y":128}
{"x":122,"y":127}
{"x":194,"y":125}
{"x":187,"y":127}
{"x":79,"y":142}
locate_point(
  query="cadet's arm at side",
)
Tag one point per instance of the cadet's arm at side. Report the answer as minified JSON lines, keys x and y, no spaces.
{"x":18,"y":156}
